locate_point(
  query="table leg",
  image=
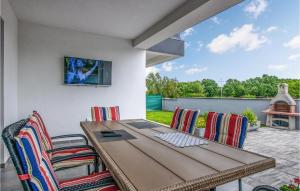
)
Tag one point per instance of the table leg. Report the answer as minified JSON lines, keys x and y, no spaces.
{"x":240,"y":185}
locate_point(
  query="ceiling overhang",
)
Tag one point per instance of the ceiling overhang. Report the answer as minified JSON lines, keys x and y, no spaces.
{"x":144,"y":22}
{"x":183,"y":17}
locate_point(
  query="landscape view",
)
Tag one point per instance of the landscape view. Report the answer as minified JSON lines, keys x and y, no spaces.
{"x":242,"y":52}
{"x":240,"y":62}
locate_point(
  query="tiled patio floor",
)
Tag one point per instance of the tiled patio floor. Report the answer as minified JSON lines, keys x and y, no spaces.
{"x":283,"y":145}
{"x":280,"y":144}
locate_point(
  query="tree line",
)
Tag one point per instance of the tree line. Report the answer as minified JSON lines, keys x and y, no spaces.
{"x":264,"y":86}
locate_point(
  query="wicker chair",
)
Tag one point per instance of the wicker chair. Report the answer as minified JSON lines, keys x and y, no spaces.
{"x":264,"y":188}
{"x":100,"y":114}
{"x":8,"y":135}
{"x":217,"y":129}
{"x":65,"y":157}
{"x":96,"y":180}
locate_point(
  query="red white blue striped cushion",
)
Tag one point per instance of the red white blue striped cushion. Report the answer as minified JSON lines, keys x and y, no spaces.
{"x":35,"y":161}
{"x":36,"y":117}
{"x":187,"y":120}
{"x":34,"y":122}
{"x":184,"y":120}
{"x":233,"y":129}
{"x":213,"y":126}
{"x":95,"y":178}
{"x":175,"y":119}
{"x":105,"y":113}
{"x":72,"y":162}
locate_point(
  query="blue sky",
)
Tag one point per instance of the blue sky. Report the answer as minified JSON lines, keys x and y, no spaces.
{"x":252,"y":38}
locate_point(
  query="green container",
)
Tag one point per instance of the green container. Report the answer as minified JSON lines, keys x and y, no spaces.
{"x":153,"y":102}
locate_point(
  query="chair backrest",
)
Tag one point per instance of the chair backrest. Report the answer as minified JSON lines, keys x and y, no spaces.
{"x":8,"y":135}
{"x":37,"y":118}
{"x":264,"y":188}
{"x":184,"y":120}
{"x":175,"y":118}
{"x":36,"y":164}
{"x":229,"y":129}
{"x":233,"y":130}
{"x":105,"y":113}
{"x":212,"y":127}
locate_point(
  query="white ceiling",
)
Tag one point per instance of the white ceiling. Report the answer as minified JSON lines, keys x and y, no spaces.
{"x":118,"y":18}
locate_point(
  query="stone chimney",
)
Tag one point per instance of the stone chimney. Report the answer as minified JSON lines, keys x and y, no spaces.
{"x":283,"y":95}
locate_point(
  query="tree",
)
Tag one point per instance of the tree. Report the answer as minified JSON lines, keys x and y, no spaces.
{"x":190,"y":89}
{"x":154,"y":84}
{"x":269,"y":85}
{"x":163,"y":86}
{"x":169,"y":88}
{"x":294,"y":86}
{"x":233,"y":88}
{"x":210,"y":87}
{"x":265,"y":86}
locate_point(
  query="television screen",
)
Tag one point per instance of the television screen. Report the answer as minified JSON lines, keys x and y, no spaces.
{"x":81,"y":71}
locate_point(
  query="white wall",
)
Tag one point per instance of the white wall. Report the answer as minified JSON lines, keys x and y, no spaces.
{"x":10,"y":67}
{"x":41,"y":52}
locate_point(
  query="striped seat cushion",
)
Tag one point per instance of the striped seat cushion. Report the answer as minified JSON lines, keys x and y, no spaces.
{"x":35,"y":161}
{"x":37,"y":123}
{"x":212,"y":127}
{"x":175,"y":119}
{"x":36,"y":117}
{"x":105,"y":113}
{"x":233,"y":129}
{"x":187,"y":120}
{"x":98,"y":181}
{"x":184,"y":120}
{"x":73,"y":162}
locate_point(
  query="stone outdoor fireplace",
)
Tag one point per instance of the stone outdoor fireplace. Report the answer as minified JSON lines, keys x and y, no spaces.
{"x":282,"y":110}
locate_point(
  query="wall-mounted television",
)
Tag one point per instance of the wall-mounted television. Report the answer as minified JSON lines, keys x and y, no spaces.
{"x":82,"y":71}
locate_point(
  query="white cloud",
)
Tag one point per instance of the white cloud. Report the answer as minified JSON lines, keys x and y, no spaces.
{"x":256,"y":7}
{"x":200,"y":45}
{"x":187,"y":32}
{"x":278,"y":67}
{"x":294,"y":57}
{"x":294,"y":42}
{"x":272,"y":28}
{"x":244,"y":37}
{"x":179,"y":67}
{"x":195,"y":70}
{"x":167,"y":66}
{"x":216,"y":20}
{"x":152,"y":69}
{"x":186,"y":44}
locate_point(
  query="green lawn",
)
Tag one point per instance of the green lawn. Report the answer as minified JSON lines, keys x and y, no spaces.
{"x":165,"y":117}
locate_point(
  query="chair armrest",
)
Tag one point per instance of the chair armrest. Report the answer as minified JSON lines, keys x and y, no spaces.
{"x":71,"y":147}
{"x":91,"y":153}
{"x":74,"y":156}
{"x":72,"y":135}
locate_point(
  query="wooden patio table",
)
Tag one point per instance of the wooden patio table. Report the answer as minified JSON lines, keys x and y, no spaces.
{"x":149,"y":163}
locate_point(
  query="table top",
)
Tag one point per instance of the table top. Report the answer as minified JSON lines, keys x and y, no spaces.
{"x":149,"y":163}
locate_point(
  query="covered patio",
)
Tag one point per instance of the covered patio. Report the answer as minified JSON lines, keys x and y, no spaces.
{"x":51,"y":51}
{"x":265,"y":141}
